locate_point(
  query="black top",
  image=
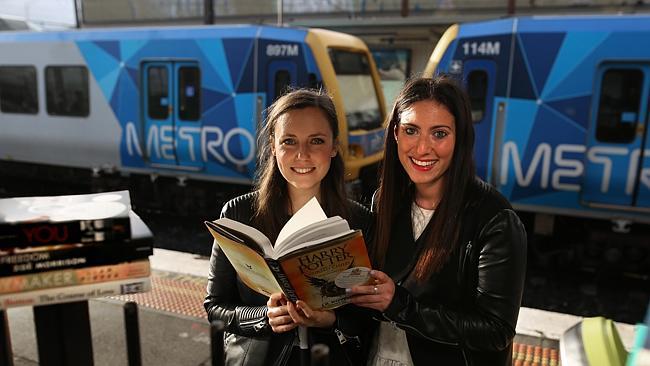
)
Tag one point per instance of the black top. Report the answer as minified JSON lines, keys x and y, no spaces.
{"x":250,"y":339}
{"x":466,"y":313}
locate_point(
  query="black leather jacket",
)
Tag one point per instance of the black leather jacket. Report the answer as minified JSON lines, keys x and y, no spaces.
{"x":249,"y":340}
{"x":465,"y":314}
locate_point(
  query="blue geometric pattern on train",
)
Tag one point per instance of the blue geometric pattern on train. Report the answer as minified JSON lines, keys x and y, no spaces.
{"x":227,"y":129}
{"x":554,"y":69}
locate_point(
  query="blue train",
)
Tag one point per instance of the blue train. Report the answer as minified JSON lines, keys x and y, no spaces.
{"x":561,"y":108}
{"x":175,"y":104}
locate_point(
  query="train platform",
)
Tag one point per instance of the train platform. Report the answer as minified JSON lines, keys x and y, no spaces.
{"x":174,"y":330}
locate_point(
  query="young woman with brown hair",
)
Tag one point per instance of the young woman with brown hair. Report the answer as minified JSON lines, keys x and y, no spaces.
{"x":298,"y":160}
{"x":452,"y":251}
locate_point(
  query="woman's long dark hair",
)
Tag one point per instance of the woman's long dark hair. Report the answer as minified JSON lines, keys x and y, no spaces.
{"x":272,"y":201}
{"x":396,"y":189}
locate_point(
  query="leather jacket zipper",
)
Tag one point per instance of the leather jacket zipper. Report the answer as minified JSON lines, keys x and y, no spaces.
{"x":343,"y":338}
{"x":468,"y":249}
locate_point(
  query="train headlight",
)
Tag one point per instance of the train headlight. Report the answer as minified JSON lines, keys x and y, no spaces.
{"x":355,"y":151}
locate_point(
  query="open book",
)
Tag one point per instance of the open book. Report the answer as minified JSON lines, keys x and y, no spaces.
{"x":315,"y":258}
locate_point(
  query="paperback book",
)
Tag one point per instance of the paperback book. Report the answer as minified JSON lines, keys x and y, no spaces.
{"x":85,"y":218}
{"x":73,"y":277}
{"x":75,"y":293}
{"x":314,"y":259}
{"x":20,"y":261}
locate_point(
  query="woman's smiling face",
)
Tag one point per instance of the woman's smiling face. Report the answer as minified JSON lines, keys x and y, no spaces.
{"x":303,"y":145}
{"x":426,"y":139}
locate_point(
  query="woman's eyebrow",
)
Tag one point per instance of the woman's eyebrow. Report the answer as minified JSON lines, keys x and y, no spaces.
{"x":440,"y":126}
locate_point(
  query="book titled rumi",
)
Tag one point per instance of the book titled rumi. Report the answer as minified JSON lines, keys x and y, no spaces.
{"x":314,"y":259}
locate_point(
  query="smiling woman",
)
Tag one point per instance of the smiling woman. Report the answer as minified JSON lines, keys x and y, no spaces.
{"x":451,"y":250}
{"x":298,"y":160}
{"x":303,"y":151}
{"x":425,"y":138}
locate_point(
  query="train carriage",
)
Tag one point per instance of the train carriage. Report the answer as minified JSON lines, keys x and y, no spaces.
{"x":560,"y":106}
{"x":178,"y":102}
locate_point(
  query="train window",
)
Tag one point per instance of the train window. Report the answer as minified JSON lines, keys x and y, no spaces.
{"x":18,"y":93}
{"x":282,"y":83}
{"x":189,"y":91}
{"x":620,"y":97}
{"x":158,"y":92}
{"x":66,"y":89}
{"x":357,"y":89}
{"x":477,"y":84}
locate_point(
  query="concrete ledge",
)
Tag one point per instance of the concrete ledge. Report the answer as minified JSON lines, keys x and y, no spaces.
{"x":180,"y":262}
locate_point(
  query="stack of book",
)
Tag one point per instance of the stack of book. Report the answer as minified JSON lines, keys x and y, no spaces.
{"x":70,"y":248}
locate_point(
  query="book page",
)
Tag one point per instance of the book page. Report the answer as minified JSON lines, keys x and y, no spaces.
{"x":308,"y":214}
{"x":313,"y":234}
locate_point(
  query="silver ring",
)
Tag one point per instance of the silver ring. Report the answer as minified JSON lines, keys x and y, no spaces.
{"x":375,"y":289}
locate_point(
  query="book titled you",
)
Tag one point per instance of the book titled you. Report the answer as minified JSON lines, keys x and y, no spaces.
{"x":315,"y":258}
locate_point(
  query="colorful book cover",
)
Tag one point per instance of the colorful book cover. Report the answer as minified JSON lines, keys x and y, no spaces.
{"x":249,"y":264}
{"x":320,"y":275}
{"x":317,"y":274}
{"x":72,"y":277}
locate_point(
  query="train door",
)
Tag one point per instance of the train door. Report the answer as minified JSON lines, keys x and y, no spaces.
{"x":172,"y":114}
{"x":617,"y":161}
{"x":282,"y":74}
{"x":479,"y":77}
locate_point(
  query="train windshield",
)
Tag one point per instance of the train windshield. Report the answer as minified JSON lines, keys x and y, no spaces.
{"x":357,"y":89}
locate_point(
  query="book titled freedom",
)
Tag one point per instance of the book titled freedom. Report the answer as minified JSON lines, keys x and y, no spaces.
{"x":20,"y":261}
{"x":315,"y":258}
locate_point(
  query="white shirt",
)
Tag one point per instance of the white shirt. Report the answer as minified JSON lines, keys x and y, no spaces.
{"x":420,"y":218}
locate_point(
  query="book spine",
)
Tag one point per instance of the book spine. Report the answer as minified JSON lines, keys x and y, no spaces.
{"x":50,"y":233}
{"x":71,"y":277}
{"x":76,"y":293}
{"x":78,"y":256}
{"x":282,"y":279}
